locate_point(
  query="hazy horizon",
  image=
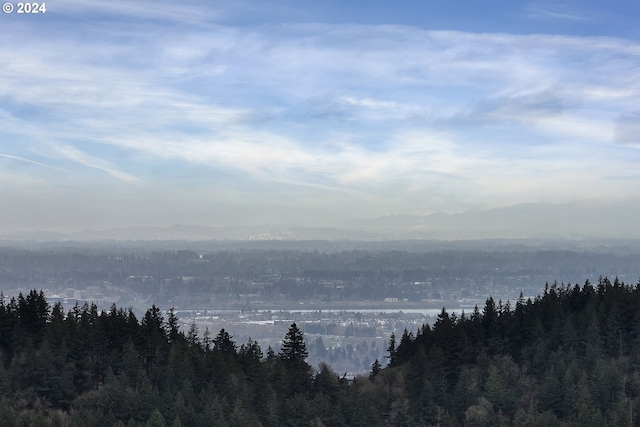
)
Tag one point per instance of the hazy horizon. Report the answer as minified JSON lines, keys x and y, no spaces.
{"x":120,"y":114}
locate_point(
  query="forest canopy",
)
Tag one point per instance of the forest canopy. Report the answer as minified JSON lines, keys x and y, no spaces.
{"x":569,"y":357}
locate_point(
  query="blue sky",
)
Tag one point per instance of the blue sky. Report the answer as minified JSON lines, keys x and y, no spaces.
{"x":126,"y":113}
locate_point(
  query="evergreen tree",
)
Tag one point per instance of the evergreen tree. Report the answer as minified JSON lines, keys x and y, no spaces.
{"x":224,"y":343}
{"x":172,"y":325}
{"x":375,"y":369}
{"x":391,"y":349}
{"x":294,"y":349}
{"x":88,"y":369}
{"x":295,"y":377}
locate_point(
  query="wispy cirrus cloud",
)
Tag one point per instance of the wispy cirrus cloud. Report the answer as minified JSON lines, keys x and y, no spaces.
{"x":87,"y":160}
{"x":376,"y":111}
{"x":33,"y":162}
{"x":555,"y":11}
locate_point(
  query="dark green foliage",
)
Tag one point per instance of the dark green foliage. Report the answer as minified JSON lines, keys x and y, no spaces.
{"x":294,"y":349}
{"x":375,"y":369}
{"x":568,"y":358}
{"x":293,"y":373}
{"x":224,"y":344}
{"x":391,"y":349}
{"x":91,"y":368}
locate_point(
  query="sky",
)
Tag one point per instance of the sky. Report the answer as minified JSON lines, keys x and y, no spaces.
{"x":119,"y":113}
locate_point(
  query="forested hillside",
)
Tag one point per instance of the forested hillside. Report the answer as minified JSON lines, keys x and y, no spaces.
{"x":567,"y":358}
{"x":91,"y":368}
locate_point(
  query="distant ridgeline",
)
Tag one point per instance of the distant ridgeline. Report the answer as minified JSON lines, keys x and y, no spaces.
{"x":570,"y":357}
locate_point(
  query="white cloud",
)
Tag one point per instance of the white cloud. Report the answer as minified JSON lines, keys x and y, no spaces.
{"x":33,"y":162}
{"x":185,"y":13}
{"x":85,"y":159}
{"x":371,"y":111}
{"x":554,"y":11}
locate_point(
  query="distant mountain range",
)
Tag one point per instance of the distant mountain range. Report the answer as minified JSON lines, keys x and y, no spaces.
{"x":575,"y":220}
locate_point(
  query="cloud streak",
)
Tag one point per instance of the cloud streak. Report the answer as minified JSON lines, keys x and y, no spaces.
{"x":87,"y":160}
{"x":33,"y":162}
{"x":427,"y":119}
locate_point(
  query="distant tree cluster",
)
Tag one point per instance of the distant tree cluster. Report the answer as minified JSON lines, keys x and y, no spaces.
{"x":569,"y":357}
{"x":189,"y":278}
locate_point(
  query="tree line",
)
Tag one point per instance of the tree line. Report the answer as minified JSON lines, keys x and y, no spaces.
{"x":87,"y":367}
{"x":569,"y":357}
